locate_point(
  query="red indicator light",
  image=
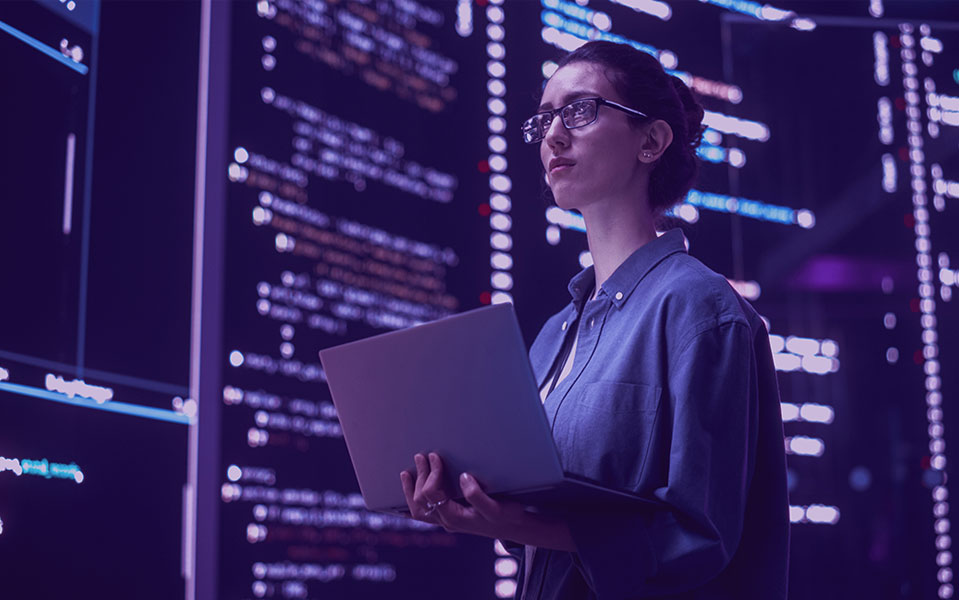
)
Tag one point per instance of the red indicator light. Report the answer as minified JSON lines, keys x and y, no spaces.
{"x":485,"y":298}
{"x":484,"y":210}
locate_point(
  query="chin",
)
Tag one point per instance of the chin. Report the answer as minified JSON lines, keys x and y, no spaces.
{"x":565,"y":200}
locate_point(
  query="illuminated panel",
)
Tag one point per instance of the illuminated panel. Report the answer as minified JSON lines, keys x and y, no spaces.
{"x":750,"y":290}
{"x":765,"y":12}
{"x":505,"y":567}
{"x":364,"y":196}
{"x":660,"y":10}
{"x":93,"y":364}
{"x":68,"y":55}
{"x":927,"y":302}
{"x":948,"y":278}
{"x":744,"y":128}
{"x":500,"y":184}
{"x":810,"y":355}
{"x":709,"y":87}
{"x":805,"y":445}
{"x":809,"y":412}
{"x":567,"y":25}
{"x":814,"y":513}
{"x":687,"y":211}
{"x":752,"y":209}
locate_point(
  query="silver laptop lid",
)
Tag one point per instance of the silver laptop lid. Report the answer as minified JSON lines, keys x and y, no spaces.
{"x":460,"y":386}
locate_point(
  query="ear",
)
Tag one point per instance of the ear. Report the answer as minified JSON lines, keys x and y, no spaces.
{"x":657,"y":137}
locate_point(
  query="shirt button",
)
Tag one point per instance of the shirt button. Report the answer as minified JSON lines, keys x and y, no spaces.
{"x":564,"y":326}
{"x":592,"y":322}
{"x":619,"y":295}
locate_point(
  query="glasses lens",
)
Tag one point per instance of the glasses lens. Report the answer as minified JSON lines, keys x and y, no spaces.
{"x":535,"y":127}
{"x":579,"y":113}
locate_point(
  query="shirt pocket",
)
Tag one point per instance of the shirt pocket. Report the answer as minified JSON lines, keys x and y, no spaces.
{"x":610,"y":430}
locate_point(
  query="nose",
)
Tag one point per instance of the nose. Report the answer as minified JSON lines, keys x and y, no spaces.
{"x":556,"y":134}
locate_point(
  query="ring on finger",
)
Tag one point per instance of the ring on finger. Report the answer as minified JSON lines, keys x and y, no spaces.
{"x":432,"y":506}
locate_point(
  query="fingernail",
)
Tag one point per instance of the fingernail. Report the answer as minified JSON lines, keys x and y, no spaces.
{"x":465,"y":477}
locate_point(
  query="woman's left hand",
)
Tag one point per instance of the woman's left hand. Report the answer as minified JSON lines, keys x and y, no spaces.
{"x":429,"y":501}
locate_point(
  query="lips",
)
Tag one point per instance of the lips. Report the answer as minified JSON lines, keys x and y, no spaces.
{"x":559,"y":164}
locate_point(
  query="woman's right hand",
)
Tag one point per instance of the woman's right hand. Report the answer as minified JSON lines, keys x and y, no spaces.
{"x":429,"y":501}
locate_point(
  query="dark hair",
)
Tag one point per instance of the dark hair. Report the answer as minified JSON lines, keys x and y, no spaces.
{"x":643,"y":84}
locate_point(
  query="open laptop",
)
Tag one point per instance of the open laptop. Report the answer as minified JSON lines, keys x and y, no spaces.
{"x":461,"y":386}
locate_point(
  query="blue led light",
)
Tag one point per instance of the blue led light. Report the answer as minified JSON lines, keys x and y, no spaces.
{"x":713,"y":154}
{"x":570,"y":9}
{"x":763,"y":12}
{"x":135,"y":410}
{"x":108,"y":376}
{"x":753,"y":9}
{"x":742,"y":206}
{"x":752,"y":209}
{"x":589,"y":33}
{"x":37,"y":44}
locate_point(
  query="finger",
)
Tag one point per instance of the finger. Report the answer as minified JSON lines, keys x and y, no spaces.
{"x":406,"y":480}
{"x":433,"y":487}
{"x":488,"y":508}
{"x":455,"y":517}
{"x":422,"y":472}
{"x":417,"y":511}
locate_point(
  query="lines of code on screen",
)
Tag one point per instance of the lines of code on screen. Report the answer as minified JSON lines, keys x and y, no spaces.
{"x":351,"y":211}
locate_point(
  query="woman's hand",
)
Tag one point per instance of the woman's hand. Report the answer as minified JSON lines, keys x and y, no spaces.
{"x":429,"y":501}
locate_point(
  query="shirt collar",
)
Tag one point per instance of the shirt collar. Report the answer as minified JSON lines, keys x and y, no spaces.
{"x":628,"y":275}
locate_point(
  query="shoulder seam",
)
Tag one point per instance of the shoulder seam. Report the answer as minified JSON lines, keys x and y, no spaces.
{"x":706,"y":326}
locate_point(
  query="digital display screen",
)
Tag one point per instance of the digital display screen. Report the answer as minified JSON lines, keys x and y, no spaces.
{"x":351,"y":211}
{"x":96,"y":245}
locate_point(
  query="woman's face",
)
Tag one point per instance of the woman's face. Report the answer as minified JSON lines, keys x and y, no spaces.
{"x":599,"y":162}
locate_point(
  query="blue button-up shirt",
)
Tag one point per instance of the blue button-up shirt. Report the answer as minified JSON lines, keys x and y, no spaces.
{"x":672,"y":395}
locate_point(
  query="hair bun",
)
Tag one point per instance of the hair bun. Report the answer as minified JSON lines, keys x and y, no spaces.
{"x":694,"y":112}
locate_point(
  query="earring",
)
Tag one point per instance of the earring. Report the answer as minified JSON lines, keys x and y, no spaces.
{"x":647,"y":155}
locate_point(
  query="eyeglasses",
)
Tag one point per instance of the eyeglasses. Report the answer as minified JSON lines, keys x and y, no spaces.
{"x":578,"y":113}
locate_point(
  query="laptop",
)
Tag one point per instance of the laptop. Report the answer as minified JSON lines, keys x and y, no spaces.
{"x":461,"y":386}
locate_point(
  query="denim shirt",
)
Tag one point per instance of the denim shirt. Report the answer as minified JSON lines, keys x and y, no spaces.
{"x":672,"y":395}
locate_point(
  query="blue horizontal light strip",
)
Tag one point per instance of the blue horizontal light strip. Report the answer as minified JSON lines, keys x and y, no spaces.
{"x":752,"y":209}
{"x":51,"y":52}
{"x":763,"y":12}
{"x":710,"y":153}
{"x":589,"y":33}
{"x":147,"y":412}
{"x":106,"y":376}
{"x":571,"y":9}
{"x":753,"y":9}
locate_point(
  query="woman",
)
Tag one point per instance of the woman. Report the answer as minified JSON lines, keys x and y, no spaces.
{"x":657,"y":378}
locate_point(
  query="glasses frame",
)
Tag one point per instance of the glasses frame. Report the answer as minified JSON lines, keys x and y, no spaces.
{"x":552,"y":115}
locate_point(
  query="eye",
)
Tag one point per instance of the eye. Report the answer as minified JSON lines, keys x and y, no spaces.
{"x":578,"y":113}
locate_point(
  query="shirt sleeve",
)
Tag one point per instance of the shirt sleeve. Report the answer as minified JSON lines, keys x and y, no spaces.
{"x":712,"y":402}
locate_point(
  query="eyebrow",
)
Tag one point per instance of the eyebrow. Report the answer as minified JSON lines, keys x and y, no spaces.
{"x":569,"y":98}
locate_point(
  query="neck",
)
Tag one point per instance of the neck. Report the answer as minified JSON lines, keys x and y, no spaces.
{"x":613,"y":235}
